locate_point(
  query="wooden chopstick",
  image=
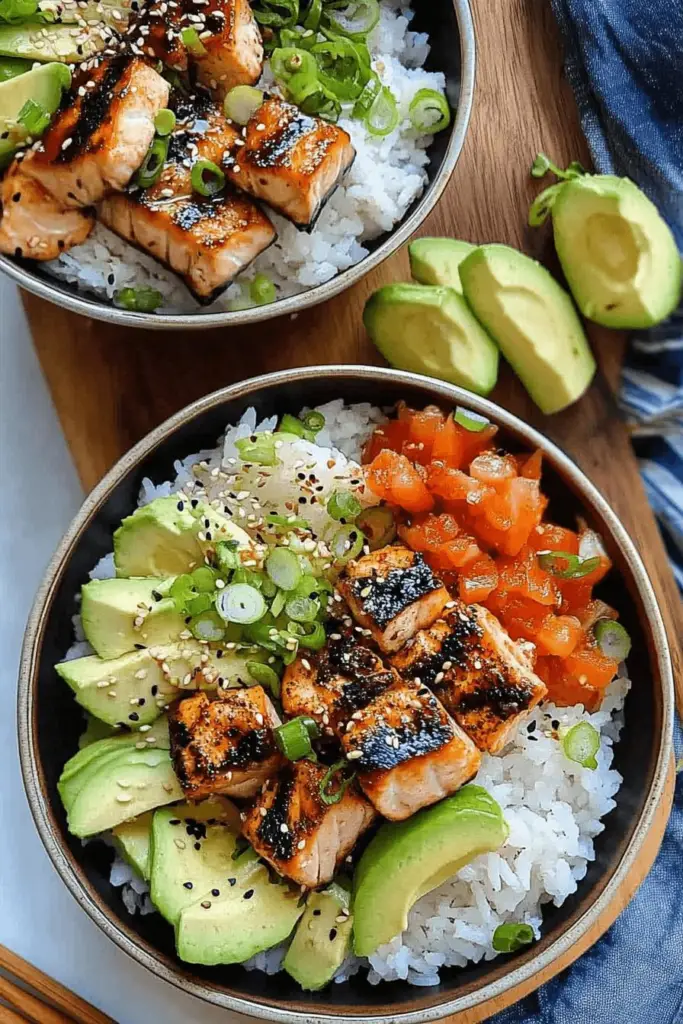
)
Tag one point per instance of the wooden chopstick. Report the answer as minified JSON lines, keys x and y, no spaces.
{"x":65,"y":1005}
{"x":8,"y":1016}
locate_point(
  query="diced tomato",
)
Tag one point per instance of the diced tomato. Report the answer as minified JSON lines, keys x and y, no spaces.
{"x":492,"y":469}
{"x":477,"y":580}
{"x":590,"y":666}
{"x":563,"y":688}
{"x":392,"y":477}
{"x":449,"y":444}
{"x":549,"y":537}
{"x":460,"y":551}
{"x":531,"y":468}
{"x":523,"y":576}
{"x":558,"y":635}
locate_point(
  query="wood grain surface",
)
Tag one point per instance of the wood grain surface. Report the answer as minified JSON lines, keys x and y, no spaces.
{"x":112,"y":385}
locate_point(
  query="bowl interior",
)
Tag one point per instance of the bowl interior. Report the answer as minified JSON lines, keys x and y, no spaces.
{"x":438,"y":18}
{"x":57,"y":721}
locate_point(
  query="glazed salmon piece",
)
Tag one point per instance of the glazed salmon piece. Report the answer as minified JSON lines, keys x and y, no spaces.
{"x":483,"y":678}
{"x":208,"y":240}
{"x":393,"y":593}
{"x":290,"y":160}
{"x":224,"y":746}
{"x":34,"y":224}
{"x":407,"y":750}
{"x":96,"y":143}
{"x":229,"y":50}
{"x":302,"y":837}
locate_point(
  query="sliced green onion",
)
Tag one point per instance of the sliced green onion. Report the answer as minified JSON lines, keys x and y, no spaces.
{"x":383,"y":114}
{"x":291,"y":425}
{"x":268,"y":588}
{"x":244,"y":575}
{"x":311,"y":635}
{"x":343,"y":505}
{"x":347,"y":543}
{"x":313,"y":14}
{"x":197,"y":604}
{"x":378,"y":526}
{"x":311,"y":96}
{"x":337,"y":775}
{"x":240,"y":603}
{"x":153,"y":164}
{"x":340,"y":68}
{"x":265,"y":675}
{"x":278,"y":603}
{"x":241,"y":103}
{"x":508,"y":938}
{"x":302,"y":609}
{"x":203,"y":579}
{"x":542,"y":164}
{"x":363,"y":104}
{"x":207,"y":178}
{"x":207,"y":626}
{"x":34,"y":117}
{"x":581,"y":744}
{"x":356,"y":19}
{"x":312,"y":586}
{"x":283,"y":567}
{"x":429,"y":111}
{"x":190,"y":39}
{"x":286,"y":522}
{"x":539,"y":210}
{"x":259,"y":449}
{"x":470,"y":420}
{"x":565,"y":565}
{"x":262,"y":290}
{"x":294,"y":739}
{"x":278,"y":13}
{"x":181,"y":589}
{"x":286,"y":62}
{"x":139,"y":300}
{"x":226,"y":556}
{"x":613,"y":640}
{"x":314,"y":421}
{"x":164,"y":122}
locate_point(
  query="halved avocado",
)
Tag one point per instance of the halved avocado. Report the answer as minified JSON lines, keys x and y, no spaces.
{"x":431,"y":330}
{"x":120,"y":614}
{"x":42,"y":86}
{"x":436,"y":260}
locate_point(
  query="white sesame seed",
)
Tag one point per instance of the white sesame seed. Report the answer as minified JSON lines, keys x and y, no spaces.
{"x":353,"y":755}
{"x":284,"y":827}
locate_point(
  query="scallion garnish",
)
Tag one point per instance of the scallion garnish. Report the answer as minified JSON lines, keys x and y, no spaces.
{"x":258,"y":448}
{"x":34,"y":118}
{"x":367,"y":97}
{"x":287,"y":61}
{"x":197,"y":604}
{"x":277,"y":13}
{"x":164,"y":122}
{"x":226,"y":556}
{"x":190,"y":39}
{"x":311,"y":635}
{"x":470,"y":420}
{"x":336,"y":776}
{"x":312,"y":16}
{"x":429,"y":111}
{"x":265,"y":675}
{"x":613,"y":640}
{"x":565,"y":565}
{"x":356,"y":18}
{"x":203,"y":579}
{"x":347,"y":543}
{"x":314,"y":421}
{"x":240,"y":603}
{"x":207,"y":178}
{"x":383,"y":114}
{"x":262,"y":290}
{"x":207,"y":626}
{"x":153,"y":164}
{"x":241,"y":103}
{"x":343,"y":505}
{"x":581,"y":743}
{"x":286,"y":522}
{"x":283,"y":567}
{"x":508,"y":938}
{"x":302,"y":609}
{"x":139,"y":300}
{"x":278,"y":603}
{"x":294,"y":738}
{"x":378,"y":526}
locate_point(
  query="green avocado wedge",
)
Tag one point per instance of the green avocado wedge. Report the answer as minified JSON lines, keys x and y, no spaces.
{"x":36,"y":41}
{"x":41,"y":88}
{"x":430,"y":329}
{"x":533,"y":320}
{"x":322,"y":939}
{"x":436,"y":260}
{"x":409,"y":858}
{"x":132,"y":839}
{"x":119,"y":614}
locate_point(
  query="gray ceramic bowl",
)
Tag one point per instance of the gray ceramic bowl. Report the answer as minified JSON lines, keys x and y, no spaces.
{"x":50,"y":722}
{"x":451,"y":31}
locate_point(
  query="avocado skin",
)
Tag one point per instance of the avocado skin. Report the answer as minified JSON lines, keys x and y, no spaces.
{"x":436,"y":260}
{"x":407,"y":859}
{"x":430,"y":329}
{"x":533,"y":320}
{"x":321,"y":942}
{"x":610,"y":216}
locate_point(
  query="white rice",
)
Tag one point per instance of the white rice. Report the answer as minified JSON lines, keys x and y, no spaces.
{"x":553,"y":806}
{"x":387,"y":175}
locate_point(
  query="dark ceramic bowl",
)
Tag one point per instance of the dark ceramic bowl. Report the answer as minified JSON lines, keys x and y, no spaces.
{"x":451,"y":33}
{"x":50,"y":722}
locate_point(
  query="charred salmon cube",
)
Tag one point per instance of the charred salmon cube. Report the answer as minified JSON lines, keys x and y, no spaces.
{"x":208,"y":240}
{"x":290,"y":160}
{"x":34,"y":224}
{"x":224,"y":746}
{"x":300,"y":835}
{"x":97,"y":142}
{"x":393,"y":593}
{"x":408,"y":751}
{"x":483,"y":678}
{"x":336,"y":681}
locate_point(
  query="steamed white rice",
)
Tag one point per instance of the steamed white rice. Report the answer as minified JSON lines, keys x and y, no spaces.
{"x":387,"y":175}
{"x":554,"y":807}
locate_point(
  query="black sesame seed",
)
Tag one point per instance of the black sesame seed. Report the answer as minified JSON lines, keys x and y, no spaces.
{"x":555,"y":724}
{"x":215,"y":892}
{"x":139,"y":647}
{"x":156,"y":595}
{"x":333,"y":934}
{"x":248,"y":894}
{"x":141,"y":701}
{"x":194,"y":502}
{"x":317,"y":913}
{"x":174,"y":821}
{"x":534,"y":738}
{"x":208,"y":534}
{"x":134,"y":716}
{"x":301,"y":476}
{"x":531,"y":726}
{"x":187,"y":885}
{"x":155,"y":690}
{"x":219,"y":654}
{"x":111,"y":279}
{"x":302,"y":500}
{"x":207,"y":524}
{"x":232,"y":881}
{"x":16,"y":197}
{"x":197,"y":846}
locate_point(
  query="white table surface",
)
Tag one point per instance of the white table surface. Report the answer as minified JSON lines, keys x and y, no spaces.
{"x":39,"y":919}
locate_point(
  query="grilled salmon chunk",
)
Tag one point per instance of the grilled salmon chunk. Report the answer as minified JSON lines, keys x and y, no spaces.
{"x":228,"y":51}
{"x":407,"y":750}
{"x":35,"y":225}
{"x":97,"y":142}
{"x":208,"y":240}
{"x":224,"y":746}
{"x":290,"y":160}
{"x":483,"y":678}
{"x":393,"y":593}
{"x":301,"y":836}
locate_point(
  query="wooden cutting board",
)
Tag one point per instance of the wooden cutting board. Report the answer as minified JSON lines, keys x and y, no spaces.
{"x":112,"y":385}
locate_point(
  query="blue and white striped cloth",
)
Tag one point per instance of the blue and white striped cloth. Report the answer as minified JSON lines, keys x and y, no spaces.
{"x":624,"y":59}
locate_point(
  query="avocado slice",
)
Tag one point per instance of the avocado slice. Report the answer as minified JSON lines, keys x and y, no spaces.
{"x":121,"y":788}
{"x":43,"y":86}
{"x":44,"y":43}
{"x":195,"y":855}
{"x":322,"y":939}
{"x":119,"y":614}
{"x":407,"y":859}
{"x":619,"y":256}
{"x":133,"y":842}
{"x":94,"y":12}
{"x":431,"y":330}
{"x":167,"y":537}
{"x":10,"y":67}
{"x":533,"y":320}
{"x":95,"y":730}
{"x":436,"y":260}
{"x":249,"y":917}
